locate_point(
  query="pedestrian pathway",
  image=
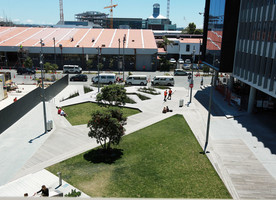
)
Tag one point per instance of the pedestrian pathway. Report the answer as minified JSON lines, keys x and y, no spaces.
{"x":230,"y":145}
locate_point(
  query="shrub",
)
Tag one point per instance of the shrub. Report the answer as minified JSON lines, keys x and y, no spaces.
{"x":73,"y":193}
{"x":87,"y":89}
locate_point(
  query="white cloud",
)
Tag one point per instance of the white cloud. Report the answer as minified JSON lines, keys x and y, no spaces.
{"x":29,"y":21}
{"x":16,"y":21}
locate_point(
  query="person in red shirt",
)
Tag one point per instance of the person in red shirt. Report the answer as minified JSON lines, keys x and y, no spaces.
{"x":170,"y":94}
{"x":165,"y":95}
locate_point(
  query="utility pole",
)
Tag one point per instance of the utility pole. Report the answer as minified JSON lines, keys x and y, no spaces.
{"x":119,"y":59}
{"x":98,"y":48}
{"x":42,"y":83}
{"x":55,"y":50}
{"x":124,"y":41}
{"x":192,"y":79}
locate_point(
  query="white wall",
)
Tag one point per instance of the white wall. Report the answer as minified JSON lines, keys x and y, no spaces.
{"x":181,"y":48}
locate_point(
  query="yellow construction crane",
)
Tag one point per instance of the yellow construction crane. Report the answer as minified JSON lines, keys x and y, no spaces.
{"x":111,"y":13}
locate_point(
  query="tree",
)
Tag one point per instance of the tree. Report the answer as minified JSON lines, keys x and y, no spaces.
{"x":106,"y":126}
{"x":47,"y":67}
{"x":166,"y":42}
{"x":50,"y":67}
{"x":205,"y":69}
{"x":198,"y":31}
{"x":89,"y":64}
{"x":111,"y":61}
{"x":28,"y":63}
{"x":191,"y":28}
{"x":112,"y":95}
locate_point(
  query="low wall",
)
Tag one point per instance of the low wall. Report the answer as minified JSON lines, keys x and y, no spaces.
{"x":16,"y":110}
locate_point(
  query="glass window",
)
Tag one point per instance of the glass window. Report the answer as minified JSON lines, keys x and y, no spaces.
{"x":187,"y":47}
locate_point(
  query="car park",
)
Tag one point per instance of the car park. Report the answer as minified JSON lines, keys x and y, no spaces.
{"x":104,"y":78}
{"x":23,"y":70}
{"x":181,"y":72}
{"x":79,"y":77}
{"x":136,"y":80}
{"x":163,"y":80}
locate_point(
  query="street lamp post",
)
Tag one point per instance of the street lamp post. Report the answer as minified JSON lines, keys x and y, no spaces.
{"x":98,"y":48}
{"x":192,"y":78}
{"x":119,"y":40}
{"x":210,"y":105}
{"x":124,"y":41}
{"x":54,"y":39}
{"x":42,"y":84}
{"x":60,"y":46}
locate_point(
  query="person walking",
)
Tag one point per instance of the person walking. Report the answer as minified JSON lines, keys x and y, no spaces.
{"x":170,"y":94}
{"x":165,"y":95}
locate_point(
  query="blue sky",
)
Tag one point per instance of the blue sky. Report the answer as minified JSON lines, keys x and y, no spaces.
{"x":182,"y":12}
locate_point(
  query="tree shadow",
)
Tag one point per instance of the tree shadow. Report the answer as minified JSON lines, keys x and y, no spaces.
{"x":108,"y":156}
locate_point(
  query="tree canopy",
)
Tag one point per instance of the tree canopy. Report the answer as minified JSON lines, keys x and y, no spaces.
{"x":106,"y":126}
{"x":112,"y":95}
{"x":28,"y":63}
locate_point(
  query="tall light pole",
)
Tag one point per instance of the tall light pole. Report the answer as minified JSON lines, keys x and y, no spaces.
{"x":42,"y":83}
{"x":124,"y":41}
{"x":60,"y":46}
{"x":210,"y":107}
{"x":54,"y":39}
{"x":119,"y":59}
{"x":99,"y":53}
{"x":192,"y":79}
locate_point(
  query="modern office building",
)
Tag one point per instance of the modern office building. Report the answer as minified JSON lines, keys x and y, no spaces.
{"x":240,"y":38}
{"x":220,"y":26}
{"x":255,"y":61}
{"x":158,"y":22}
{"x":92,"y":16}
{"x":125,"y":23}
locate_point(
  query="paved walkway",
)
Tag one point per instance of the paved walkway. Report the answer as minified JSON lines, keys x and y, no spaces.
{"x":245,"y":172}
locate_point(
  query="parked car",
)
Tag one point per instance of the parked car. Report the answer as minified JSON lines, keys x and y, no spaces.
{"x":163,"y":80}
{"x":136,"y":80}
{"x":23,"y":70}
{"x":188,"y":61}
{"x":181,"y":61}
{"x":79,"y":77}
{"x":187,"y":66}
{"x":104,"y":78}
{"x":72,"y":69}
{"x":181,"y":72}
{"x":172,"y":60}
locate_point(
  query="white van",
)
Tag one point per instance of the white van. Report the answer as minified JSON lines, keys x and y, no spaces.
{"x":163,"y":80}
{"x":136,"y":80}
{"x":72,"y":69}
{"x":104,"y":78}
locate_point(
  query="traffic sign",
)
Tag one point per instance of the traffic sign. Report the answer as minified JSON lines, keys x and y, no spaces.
{"x":191,"y":85}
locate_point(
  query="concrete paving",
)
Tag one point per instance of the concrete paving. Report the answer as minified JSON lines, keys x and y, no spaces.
{"x":247,"y":173}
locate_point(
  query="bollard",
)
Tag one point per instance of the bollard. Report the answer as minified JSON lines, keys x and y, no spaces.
{"x":60,"y":178}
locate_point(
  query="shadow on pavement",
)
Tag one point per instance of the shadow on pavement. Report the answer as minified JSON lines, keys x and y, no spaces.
{"x":202,"y":96}
{"x":262,"y":126}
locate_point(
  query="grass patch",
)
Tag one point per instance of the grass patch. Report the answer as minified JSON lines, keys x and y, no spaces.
{"x":81,"y":113}
{"x":162,"y":87}
{"x":160,"y":161}
{"x":71,"y":96}
{"x":142,"y":97}
{"x":87,"y":89}
{"x":149,"y":90}
{"x":130,"y":100}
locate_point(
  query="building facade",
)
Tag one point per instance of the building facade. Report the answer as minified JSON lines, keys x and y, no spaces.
{"x":255,"y":63}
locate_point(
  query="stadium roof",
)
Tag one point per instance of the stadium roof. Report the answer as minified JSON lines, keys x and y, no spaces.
{"x":72,"y":38}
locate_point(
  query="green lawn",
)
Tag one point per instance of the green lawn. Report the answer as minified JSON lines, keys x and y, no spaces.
{"x":81,"y":113}
{"x":160,"y":161}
